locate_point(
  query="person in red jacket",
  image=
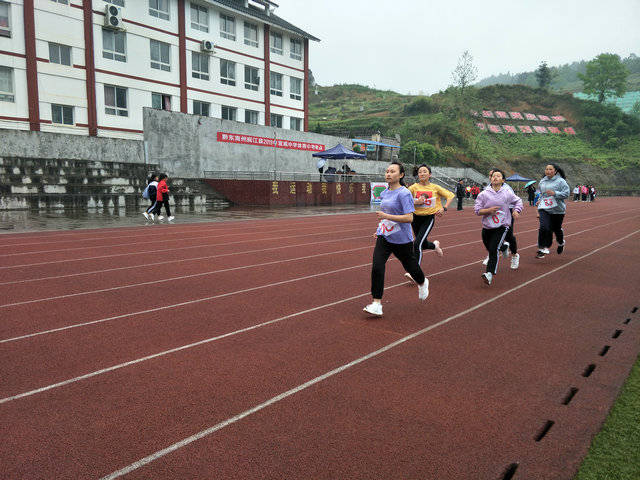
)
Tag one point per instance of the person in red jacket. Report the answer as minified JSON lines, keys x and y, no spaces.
{"x":162,"y":198}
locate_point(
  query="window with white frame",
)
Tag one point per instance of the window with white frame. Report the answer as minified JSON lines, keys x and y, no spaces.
{"x":229,"y":113}
{"x":295,"y":123}
{"x":251,"y":116}
{"x":5,"y":19}
{"x":160,"y":56}
{"x":159,"y":9}
{"x":296,"y":49}
{"x":276,"y":120}
{"x":114,"y":45}
{"x":115,"y":101}
{"x":201,"y":108}
{"x":199,"y":18}
{"x":200,"y":65}
{"x":227,"y":72}
{"x":275,"y":40}
{"x":62,"y":114}
{"x":6,"y":85}
{"x":160,"y":101}
{"x":227,"y":27}
{"x":276,"y":84}
{"x":251,"y":78}
{"x":119,"y":3}
{"x":251,"y":34}
{"x":296,"y":88}
{"x":64,"y":2}
{"x":59,"y":54}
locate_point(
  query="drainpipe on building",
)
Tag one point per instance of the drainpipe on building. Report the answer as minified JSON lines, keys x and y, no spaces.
{"x":274,"y":156}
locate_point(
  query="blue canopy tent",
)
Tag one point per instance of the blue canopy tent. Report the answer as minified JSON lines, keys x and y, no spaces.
{"x":338,"y":152}
{"x":517,"y":178}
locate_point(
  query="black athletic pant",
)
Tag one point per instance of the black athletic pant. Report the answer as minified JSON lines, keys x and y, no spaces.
{"x":493,"y":238}
{"x":550,"y":223}
{"x":459,"y":203}
{"x":403,"y":252}
{"x":159,"y":205}
{"x":422,"y":225}
{"x":511,"y":238}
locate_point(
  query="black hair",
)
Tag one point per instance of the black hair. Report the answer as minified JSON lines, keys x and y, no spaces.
{"x":401,"y":167}
{"x":151,"y":177}
{"x":162,"y":176}
{"x":558,"y":170}
{"x":501,"y":173}
{"x":415,"y":169}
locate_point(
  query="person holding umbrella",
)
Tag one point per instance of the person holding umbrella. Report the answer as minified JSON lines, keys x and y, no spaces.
{"x":531,"y":192}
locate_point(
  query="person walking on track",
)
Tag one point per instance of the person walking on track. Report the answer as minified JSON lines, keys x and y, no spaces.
{"x":152,"y":188}
{"x":428,"y":204}
{"x":554,"y":189}
{"x":394,"y":236}
{"x":163,"y":198}
{"x":494,"y":205}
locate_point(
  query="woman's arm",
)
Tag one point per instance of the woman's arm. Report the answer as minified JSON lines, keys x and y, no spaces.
{"x":406,"y":218}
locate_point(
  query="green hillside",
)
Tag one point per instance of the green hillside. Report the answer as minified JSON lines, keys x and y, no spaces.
{"x":442,"y":131}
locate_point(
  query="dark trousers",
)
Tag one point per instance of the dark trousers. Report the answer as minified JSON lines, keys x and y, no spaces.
{"x":459,"y":203}
{"x":422,"y":225}
{"x":152,"y":207}
{"x":550,"y":223}
{"x":531,"y":198}
{"x":493,"y":238}
{"x":381,"y":253}
{"x":511,"y":238}
{"x":159,"y":205}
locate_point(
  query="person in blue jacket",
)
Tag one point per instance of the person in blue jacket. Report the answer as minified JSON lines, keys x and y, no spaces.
{"x":554,"y":189}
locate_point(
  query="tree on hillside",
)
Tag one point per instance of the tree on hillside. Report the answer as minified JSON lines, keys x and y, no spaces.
{"x":543,"y":75}
{"x":465,"y":72}
{"x":605,"y":76}
{"x":635,"y":110}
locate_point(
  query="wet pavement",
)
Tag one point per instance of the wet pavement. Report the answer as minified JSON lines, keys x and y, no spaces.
{"x":16,"y":221}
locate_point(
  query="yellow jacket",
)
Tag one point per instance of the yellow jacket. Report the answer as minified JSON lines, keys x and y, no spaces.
{"x":432,"y":194}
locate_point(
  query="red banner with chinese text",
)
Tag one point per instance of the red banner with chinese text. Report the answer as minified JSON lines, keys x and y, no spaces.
{"x":269,"y":142}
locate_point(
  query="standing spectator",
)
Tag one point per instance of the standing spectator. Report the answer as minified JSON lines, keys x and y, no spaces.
{"x":460,"y":193}
{"x":592,"y":193}
{"x":468,"y":191}
{"x":475,"y":191}
{"x":531,"y":194}
{"x":576,"y":193}
{"x":162,"y":197}
{"x":583,"y":191}
{"x":551,"y":209}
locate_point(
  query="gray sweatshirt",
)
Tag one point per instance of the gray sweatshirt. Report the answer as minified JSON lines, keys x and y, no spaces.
{"x":561,"y":188}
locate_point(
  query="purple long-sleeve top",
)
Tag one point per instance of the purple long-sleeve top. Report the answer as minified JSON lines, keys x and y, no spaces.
{"x":503,"y":198}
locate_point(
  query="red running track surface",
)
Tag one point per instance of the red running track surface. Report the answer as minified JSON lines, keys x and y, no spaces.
{"x":240,"y":350}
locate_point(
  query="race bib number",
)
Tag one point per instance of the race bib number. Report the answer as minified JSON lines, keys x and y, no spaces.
{"x":547,"y":202}
{"x":429,"y":199}
{"x":387,"y":227}
{"x":497,"y":217}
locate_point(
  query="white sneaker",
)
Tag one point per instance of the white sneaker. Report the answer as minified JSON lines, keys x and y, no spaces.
{"x":146,"y":215}
{"x":486,"y":261}
{"x":373,"y":309}
{"x":487,"y":277}
{"x":152,"y":217}
{"x":408,"y":275}
{"x":515,"y":261}
{"x":545,"y":251}
{"x":505,"y":252}
{"x":438,"y":249}
{"x":170,"y":219}
{"x":423,"y":290}
{"x":160,"y":217}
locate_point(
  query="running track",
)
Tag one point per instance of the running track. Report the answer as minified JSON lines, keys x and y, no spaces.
{"x":239,"y":350}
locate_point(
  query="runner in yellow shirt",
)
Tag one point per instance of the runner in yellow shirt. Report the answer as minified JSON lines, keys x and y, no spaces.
{"x":427,"y":200}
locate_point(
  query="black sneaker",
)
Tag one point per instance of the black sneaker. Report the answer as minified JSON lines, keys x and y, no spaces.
{"x":560,"y":248}
{"x":540,"y":254}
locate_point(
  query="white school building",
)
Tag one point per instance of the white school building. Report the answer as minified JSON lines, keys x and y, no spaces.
{"x":88,"y":67}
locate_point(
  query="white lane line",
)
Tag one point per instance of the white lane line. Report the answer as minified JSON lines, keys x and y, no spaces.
{"x":93,"y":322}
{"x":236,"y":418}
{"x":303,"y":312}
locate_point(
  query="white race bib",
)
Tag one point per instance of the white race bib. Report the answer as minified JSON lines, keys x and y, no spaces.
{"x":547,"y":202}
{"x":497,"y":217}
{"x":429,"y":202}
{"x":387,"y":227}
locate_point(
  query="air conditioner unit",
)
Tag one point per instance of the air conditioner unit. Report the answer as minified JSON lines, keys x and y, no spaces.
{"x":113,"y":17}
{"x":207,"y":46}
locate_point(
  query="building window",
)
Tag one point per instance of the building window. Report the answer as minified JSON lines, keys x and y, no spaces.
{"x":200,"y":66}
{"x":296,"y":88}
{"x":276,"y":120}
{"x":251,"y":116}
{"x":201,"y":108}
{"x":59,"y":54}
{"x":227,"y":27}
{"x":199,"y":18}
{"x":229,"y":113}
{"x":251,"y":34}
{"x":159,"y":8}
{"x":160,"y":56}
{"x":160,"y":101}
{"x":276,"y":43}
{"x":227,"y":72}
{"x":64,"y":2}
{"x":276,"y":84}
{"x":251,"y":78}
{"x":119,"y":3}
{"x":62,"y":114}
{"x":295,"y":123}
{"x":296,"y":49}
{"x":5,"y":20}
{"x":6,"y":85}
{"x":114,"y":45}
{"x":115,"y":101}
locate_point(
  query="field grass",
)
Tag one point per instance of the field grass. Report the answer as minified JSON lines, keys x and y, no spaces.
{"x":615,"y":451}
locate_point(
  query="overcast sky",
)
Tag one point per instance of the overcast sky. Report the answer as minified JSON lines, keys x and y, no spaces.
{"x":414,"y":45}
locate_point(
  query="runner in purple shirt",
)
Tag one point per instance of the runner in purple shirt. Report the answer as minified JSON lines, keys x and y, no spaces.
{"x":394,"y":235}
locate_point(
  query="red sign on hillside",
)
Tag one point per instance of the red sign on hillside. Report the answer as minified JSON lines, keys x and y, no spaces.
{"x":530,"y":116}
{"x":516,"y":115}
{"x":525,"y":128}
{"x":509,"y":129}
{"x":554,"y":129}
{"x":570,"y":130}
{"x":540,"y":129}
{"x":495,"y":129}
{"x":481,"y":126}
{"x":487,"y":114}
{"x":502,"y":114}
{"x":558,"y":118}
{"x":269,"y":142}
{"x":544,"y":118}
